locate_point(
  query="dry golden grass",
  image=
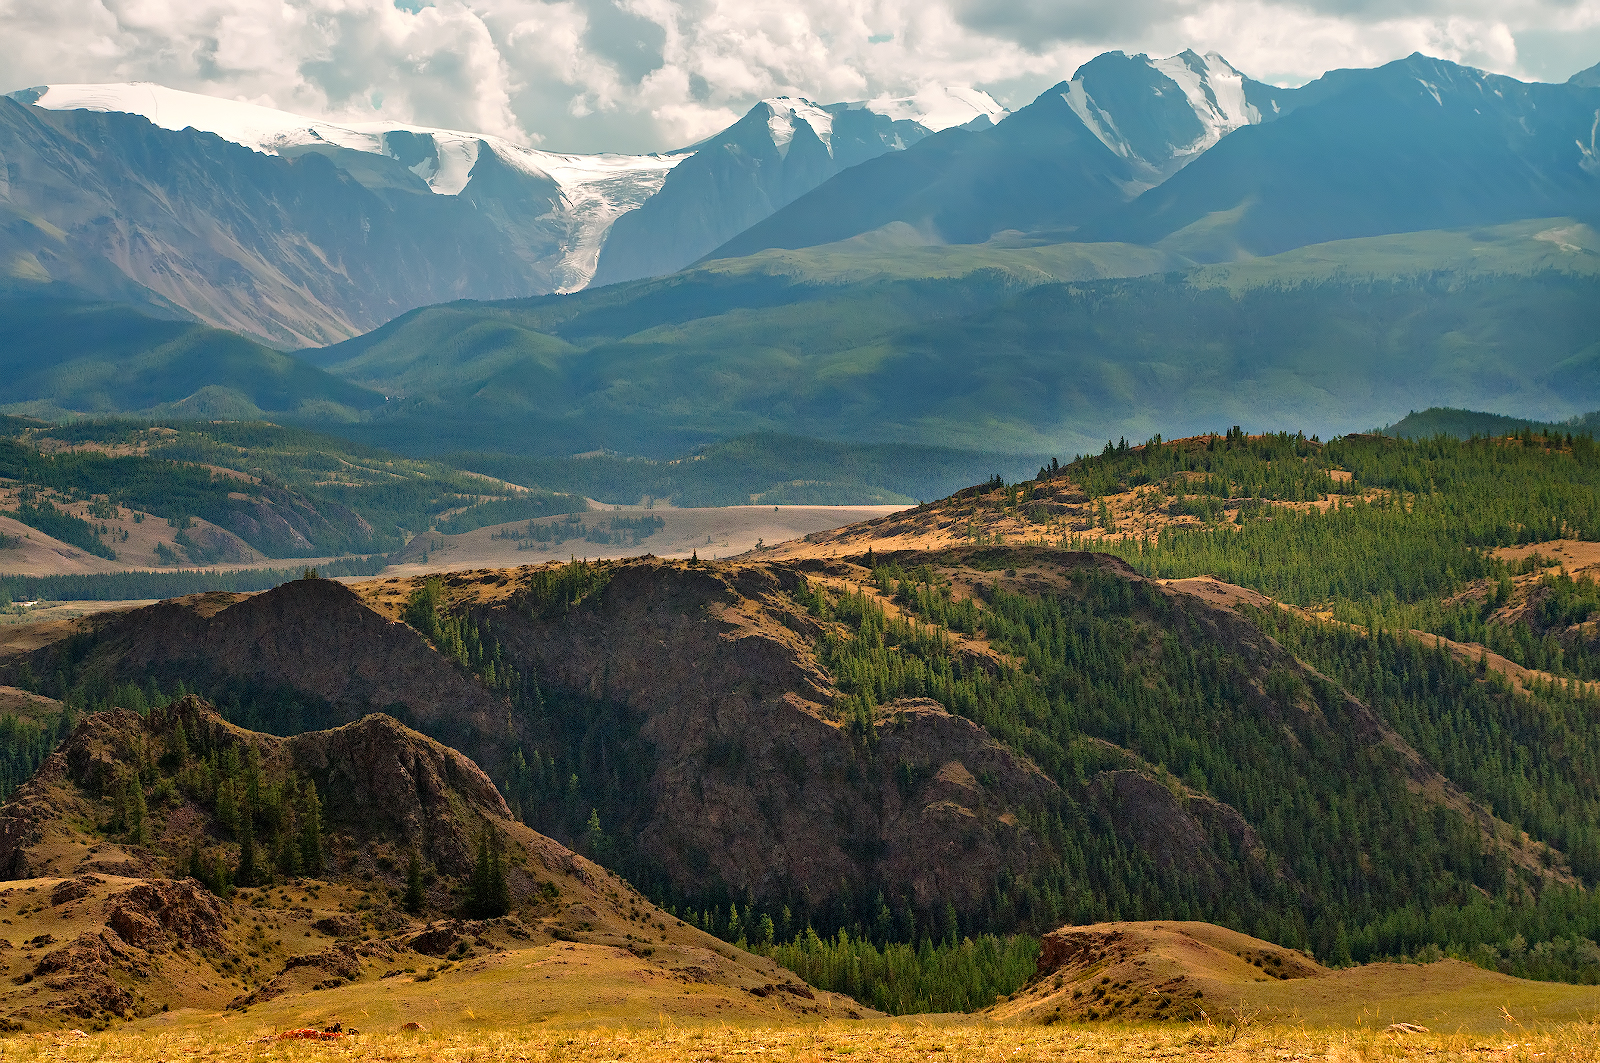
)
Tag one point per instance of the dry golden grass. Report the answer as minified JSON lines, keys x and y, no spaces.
{"x":931,"y":1038}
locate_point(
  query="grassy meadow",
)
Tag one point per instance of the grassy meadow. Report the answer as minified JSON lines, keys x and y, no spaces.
{"x":932,"y":1038}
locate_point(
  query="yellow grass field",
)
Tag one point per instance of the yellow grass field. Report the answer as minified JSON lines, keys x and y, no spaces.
{"x":949,"y":1039}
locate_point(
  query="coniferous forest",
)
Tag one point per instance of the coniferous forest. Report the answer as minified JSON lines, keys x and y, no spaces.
{"x":1375,"y":542}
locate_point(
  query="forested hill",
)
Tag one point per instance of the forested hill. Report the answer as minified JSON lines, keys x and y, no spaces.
{"x":998,"y":359}
{"x":163,"y":494}
{"x":1464,"y":424}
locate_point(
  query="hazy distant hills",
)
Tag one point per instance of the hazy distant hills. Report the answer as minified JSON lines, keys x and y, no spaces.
{"x":60,"y":357}
{"x":1029,"y":349}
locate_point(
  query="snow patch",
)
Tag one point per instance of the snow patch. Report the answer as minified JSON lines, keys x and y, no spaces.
{"x":1588,"y":155}
{"x":937,"y":107}
{"x":1215,"y":91}
{"x":784,"y":111}
{"x":1433,"y":90}
{"x":595,"y":189}
{"x":259,"y":128}
{"x":1098,"y":121}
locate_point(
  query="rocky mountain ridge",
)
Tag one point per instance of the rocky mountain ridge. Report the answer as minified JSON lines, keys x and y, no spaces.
{"x":699,"y":728}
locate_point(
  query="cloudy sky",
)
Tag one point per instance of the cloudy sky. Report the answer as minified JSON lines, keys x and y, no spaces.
{"x":640,"y":75}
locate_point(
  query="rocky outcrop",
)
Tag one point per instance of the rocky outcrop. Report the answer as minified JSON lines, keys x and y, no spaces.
{"x":155,"y":914}
{"x":386,"y":781}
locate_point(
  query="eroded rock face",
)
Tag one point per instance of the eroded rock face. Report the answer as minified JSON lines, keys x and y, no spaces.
{"x":397,"y":784}
{"x":313,"y":637}
{"x":756,"y":785}
{"x":435,"y":939}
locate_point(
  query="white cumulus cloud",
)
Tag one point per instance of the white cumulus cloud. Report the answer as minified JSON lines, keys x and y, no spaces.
{"x":635,"y":75}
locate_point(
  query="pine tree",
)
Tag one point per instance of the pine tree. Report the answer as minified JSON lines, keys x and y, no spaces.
{"x":414,"y":896}
{"x":310,"y":830}
{"x":488,"y":892}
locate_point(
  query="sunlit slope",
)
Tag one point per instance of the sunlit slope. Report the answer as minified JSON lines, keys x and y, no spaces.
{"x":1195,"y":971}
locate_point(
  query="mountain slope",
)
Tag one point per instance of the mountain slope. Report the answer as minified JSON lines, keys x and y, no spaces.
{"x":295,"y":251}
{"x":323,"y":230}
{"x":971,"y":346}
{"x":1081,"y":148}
{"x":91,"y":358}
{"x":586,"y":192}
{"x":174,"y":861}
{"x":863,"y":745}
{"x":780,"y":150}
{"x":1418,"y":144}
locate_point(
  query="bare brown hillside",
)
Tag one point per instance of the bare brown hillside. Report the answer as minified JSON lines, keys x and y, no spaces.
{"x":1134,"y":971}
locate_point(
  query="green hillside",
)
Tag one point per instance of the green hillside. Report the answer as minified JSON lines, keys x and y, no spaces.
{"x":1464,"y":424}
{"x":1523,"y":248}
{"x":1334,"y":338}
{"x":60,"y":358}
{"x":287,"y":492}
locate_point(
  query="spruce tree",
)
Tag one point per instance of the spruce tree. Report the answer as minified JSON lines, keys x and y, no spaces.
{"x":488,"y":892}
{"x":310,"y":830}
{"x":138,"y":830}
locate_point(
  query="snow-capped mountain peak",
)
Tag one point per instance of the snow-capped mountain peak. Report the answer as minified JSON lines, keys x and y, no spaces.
{"x":783,"y":112}
{"x":1198,"y":100}
{"x":1215,"y":89}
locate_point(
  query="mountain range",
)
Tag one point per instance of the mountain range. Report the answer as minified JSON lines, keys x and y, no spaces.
{"x":928,"y":269}
{"x":301,"y":232}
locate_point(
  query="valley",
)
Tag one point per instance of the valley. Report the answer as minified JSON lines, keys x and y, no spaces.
{"x":1098,"y":570}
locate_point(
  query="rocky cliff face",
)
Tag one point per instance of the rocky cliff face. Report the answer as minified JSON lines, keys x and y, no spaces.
{"x":312,"y":640}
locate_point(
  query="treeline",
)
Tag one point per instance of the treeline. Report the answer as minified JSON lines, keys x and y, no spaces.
{"x":505,"y":510}
{"x":905,"y":979}
{"x":759,"y":468}
{"x":57,"y":523}
{"x":137,"y":586}
{"x":1278,"y":466}
{"x":615,"y":531}
{"x":25,"y":742}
